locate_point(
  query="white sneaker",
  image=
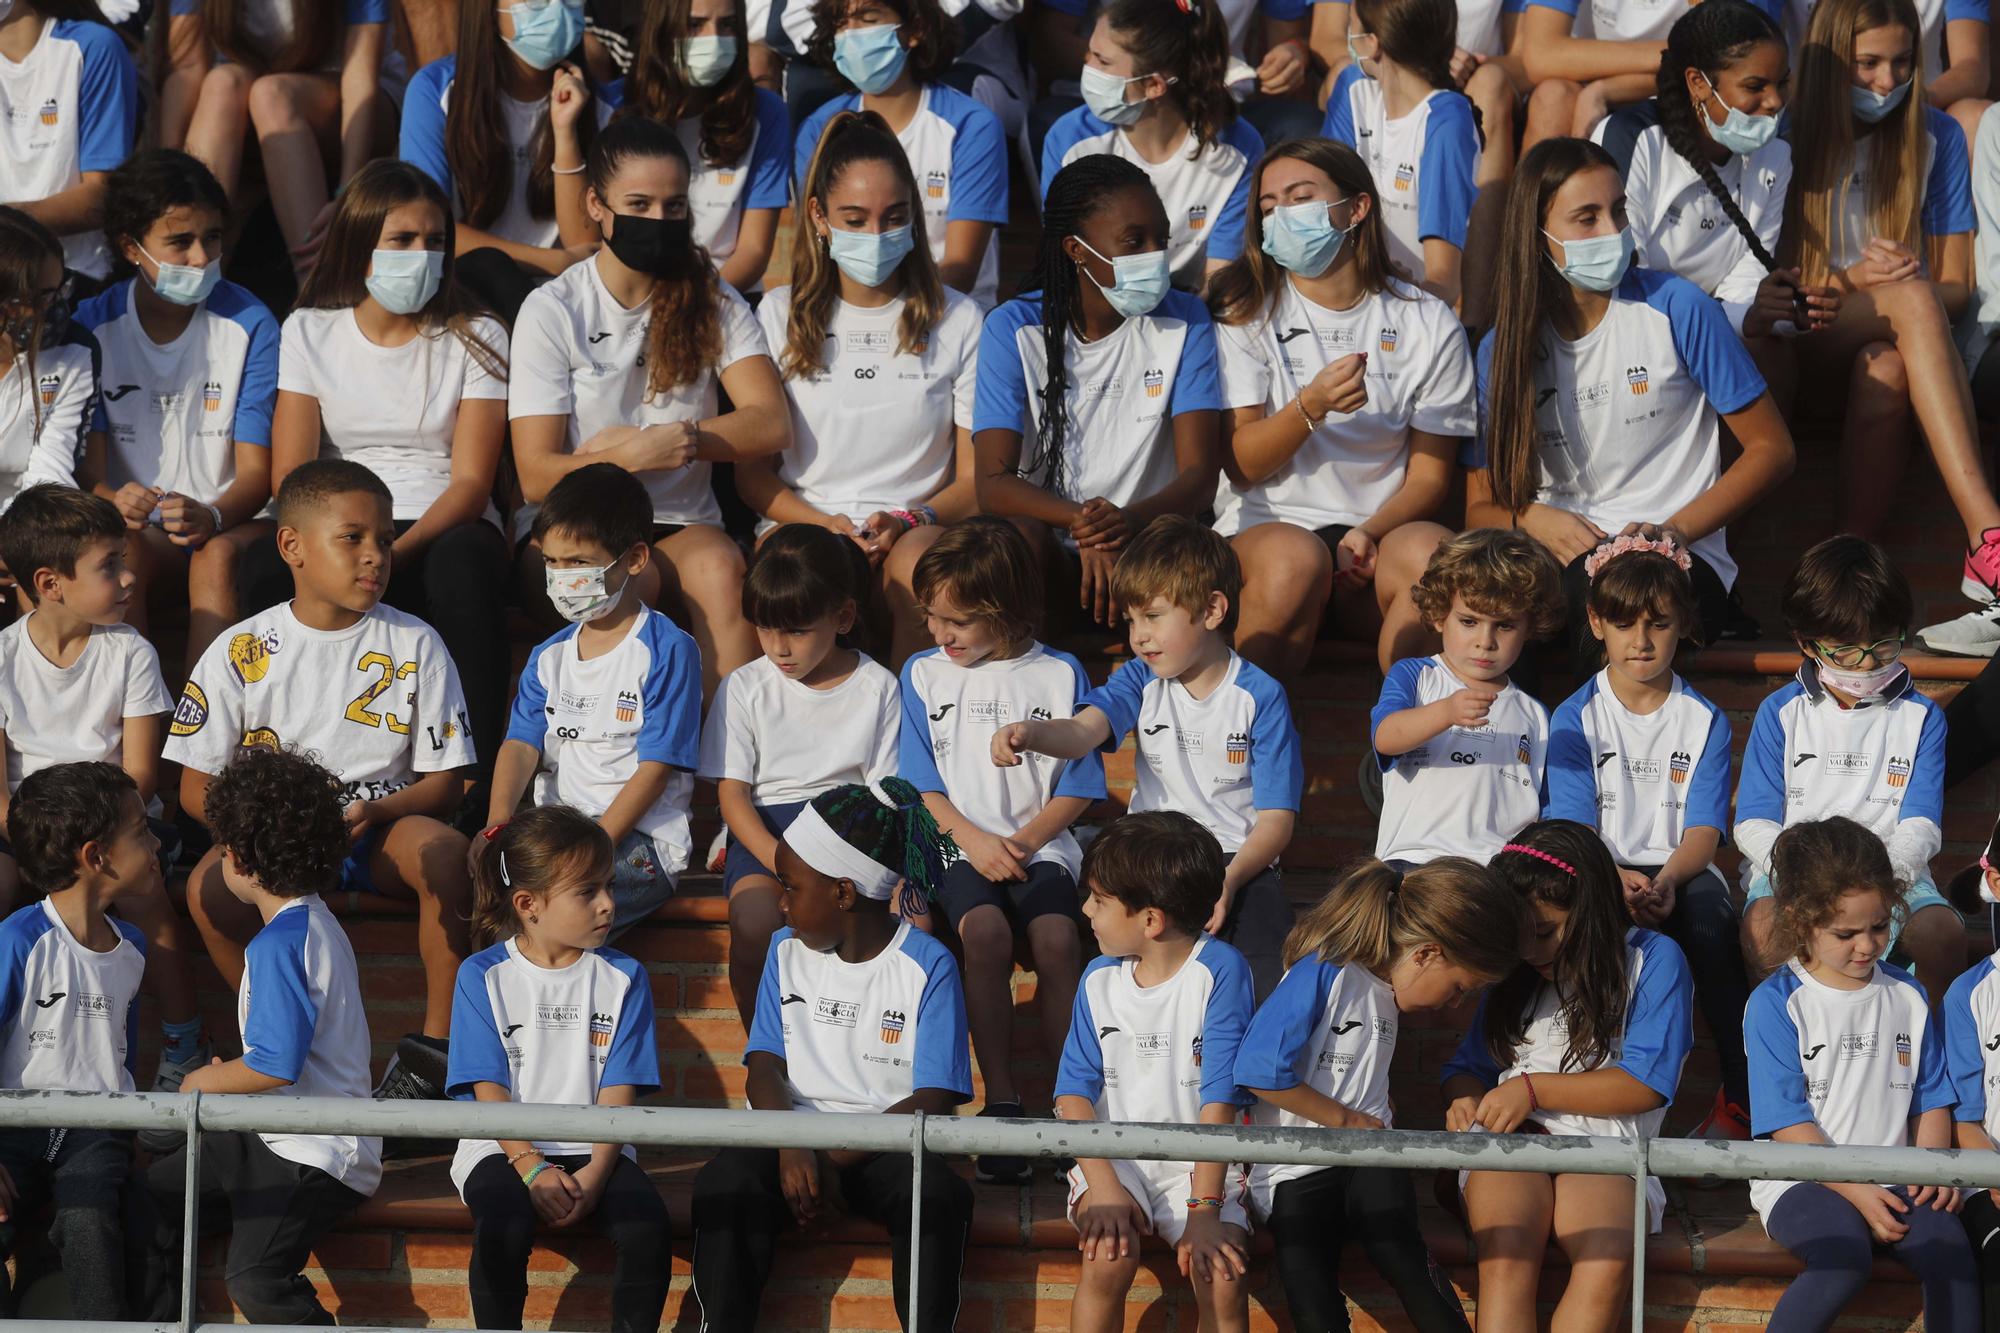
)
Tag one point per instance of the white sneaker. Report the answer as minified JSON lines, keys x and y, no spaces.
{"x":1974,"y":634}
{"x":162,"y":1141}
{"x":718,"y":847}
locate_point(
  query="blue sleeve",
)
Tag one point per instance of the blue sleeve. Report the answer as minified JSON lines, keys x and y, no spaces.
{"x":1980,"y":11}
{"x":1964,"y":1055}
{"x":1472,"y":454}
{"x":1000,"y":386}
{"x":1080,"y":1073}
{"x":1568,"y":7}
{"x":1119,"y":698}
{"x":1231,"y":1001}
{"x":355,"y":12}
{"x":278,"y":1034}
{"x":1923,"y":798}
{"x":1451,"y":150}
{"x":670,"y":726}
{"x":257,"y":393}
{"x":942,"y":1058}
{"x":1777,"y":1077}
{"x":634,"y":1058}
{"x":1068,"y":131}
{"x":1073,"y":8}
{"x":978,"y":167}
{"x":1948,"y":194}
{"x":1271,"y":1056}
{"x":1708,"y":788}
{"x":1472,"y":1059}
{"x":1225,"y":232}
{"x":915,"y":762}
{"x":1197,"y":382}
{"x":1760,"y":791}
{"x":767,"y":1025}
{"x":1933,"y":1088}
{"x":107,"y":96}
{"x":421,"y":143}
{"x":529,"y":723}
{"x":1339,"y":124}
{"x":137,"y":939}
{"x":477,"y":1053}
{"x":808,"y":137}
{"x":1659,"y":1019}
{"x":1277,"y":770}
{"x":1399,"y":691}
{"x":1712,"y":351}
{"x":1286,"y":10}
{"x":1082,"y":777}
{"x":770,"y":187}
{"x":1571,"y":777}
{"x":17,"y":936}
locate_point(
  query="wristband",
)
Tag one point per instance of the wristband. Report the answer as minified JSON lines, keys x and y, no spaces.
{"x":540,"y":1167}
{"x":923,"y":514}
{"x":566,"y":171}
{"x":1197,"y":1202}
{"x":1299,"y":401}
{"x":1534,"y":1102}
{"x":216,"y":514}
{"x":525,"y":1152}
{"x":908,"y":519}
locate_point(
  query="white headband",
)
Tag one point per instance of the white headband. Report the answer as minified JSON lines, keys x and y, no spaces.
{"x":827,"y":852}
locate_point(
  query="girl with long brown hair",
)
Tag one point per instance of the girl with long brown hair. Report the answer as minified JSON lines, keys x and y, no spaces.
{"x":46,"y":386}
{"x":1332,"y":471}
{"x":879,"y":359}
{"x":623,"y":358}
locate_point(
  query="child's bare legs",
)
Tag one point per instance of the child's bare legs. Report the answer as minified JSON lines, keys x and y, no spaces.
{"x":1491,"y":91}
{"x":221,"y":115}
{"x":701,"y":570}
{"x":224,"y":923}
{"x":1551,"y":111}
{"x":1934,"y":940}
{"x":1101,"y":1285}
{"x":421,"y":858}
{"x":169,"y":970}
{"x":1222,"y":1300}
{"x":1758,"y":920}
{"x":1593,"y":1224}
{"x":1287,"y":579}
{"x":10,"y":882}
{"x":1510,"y":1213}
{"x":211,"y":585}
{"x":907,"y":635}
{"x":988,"y":938}
{"x":1874,"y":439}
{"x":1057,"y":949}
{"x":1399,"y":563}
{"x":754,"y":915}
{"x":296,"y":117}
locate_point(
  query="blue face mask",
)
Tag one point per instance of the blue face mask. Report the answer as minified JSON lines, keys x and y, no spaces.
{"x":1138,"y":282}
{"x":707,"y":58}
{"x":404,"y":281}
{"x":1104,"y":94}
{"x":1872,"y":106}
{"x":869,"y":257}
{"x":1595,"y":263}
{"x":184,"y":284}
{"x":1302,"y":237}
{"x":870,"y":58}
{"x":544,"y":34}
{"x":1739,"y":132}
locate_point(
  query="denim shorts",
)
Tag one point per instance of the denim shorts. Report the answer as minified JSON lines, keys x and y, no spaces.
{"x":639,"y":882}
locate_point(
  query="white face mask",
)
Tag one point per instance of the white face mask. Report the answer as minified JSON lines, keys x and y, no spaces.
{"x":1860,"y":684}
{"x":581,"y":595}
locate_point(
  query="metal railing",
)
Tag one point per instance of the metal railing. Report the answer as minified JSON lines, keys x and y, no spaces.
{"x":687,"y":1127}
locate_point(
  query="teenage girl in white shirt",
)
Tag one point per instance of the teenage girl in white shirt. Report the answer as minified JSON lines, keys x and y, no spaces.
{"x":882,"y":434}
{"x":46,"y":385}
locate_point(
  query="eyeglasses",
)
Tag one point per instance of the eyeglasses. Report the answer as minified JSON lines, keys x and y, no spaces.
{"x":1882,"y":651}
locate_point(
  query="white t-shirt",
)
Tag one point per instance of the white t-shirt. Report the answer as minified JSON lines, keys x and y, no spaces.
{"x":1932,"y":15}
{"x":1857,"y":1063}
{"x":378,"y":703}
{"x":581,"y":355}
{"x":950,"y":713}
{"x":61,"y":715}
{"x":44,"y":416}
{"x":549,"y":1036}
{"x":299,"y":1009}
{"x":876,"y":428}
{"x":1466,"y":790}
{"x":718,"y":195}
{"x":1419,"y":377}
{"x":860,"y":1037}
{"x":68,"y":108}
{"x":1627,"y":20}
{"x":1422,"y":161}
{"x":596,"y":721}
{"x":790,"y":742}
{"x":1944,"y":183}
{"x":392,"y":409}
{"x":71,"y":1013}
{"x":174,"y":412}
{"x":1331,"y":1027}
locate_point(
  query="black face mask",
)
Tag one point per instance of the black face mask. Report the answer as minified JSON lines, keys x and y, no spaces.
{"x":657,"y":247}
{"x":54,"y":322}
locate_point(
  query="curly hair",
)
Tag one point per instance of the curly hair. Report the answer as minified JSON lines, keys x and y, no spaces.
{"x":56,"y":811}
{"x":1813,"y":866}
{"x":531,"y":853}
{"x":934,"y":35}
{"x":280,"y":815}
{"x":1497,"y":572}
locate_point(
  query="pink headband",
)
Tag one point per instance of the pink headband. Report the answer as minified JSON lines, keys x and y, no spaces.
{"x":1541,"y":855}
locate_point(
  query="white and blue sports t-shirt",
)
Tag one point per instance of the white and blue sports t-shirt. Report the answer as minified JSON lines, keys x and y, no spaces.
{"x":579,"y":354}
{"x":1478,"y":23}
{"x":1466,"y":790}
{"x":422,"y":143}
{"x":1642,"y":780}
{"x":1857,"y":1063}
{"x":1422,"y":162}
{"x":377,"y":703}
{"x":1218,"y":760}
{"x":1206,"y":190}
{"x":71,"y":1013}
{"x":1626,"y":416}
{"x":1652,"y":1045}
{"x":958,"y":154}
{"x":1419,"y":378}
{"x":1332,"y":1027}
{"x":1932,"y":15}
{"x":299,"y":1009}
{"x":1237,"y":16}
{"x":860,"y":1037}
{"x":1677,"y":224}
{"x":788,"y":741}
{"x":549,"y":1036}
{"x":596,"y":721}
{"x":45,"y":414}
{"x":1880,"y":764}
{"x":1946,"y":184}
{"x":1972,"y":1045}
{"x":876,"y":429}
{"x":1124,"y":391}
{"x":70,"y":107}
{"x":75,"y":714}
{"x":950,"y":713}
{"x":1627,"y":20}
{"x":175,"y":412}
{"x":720,"y":192}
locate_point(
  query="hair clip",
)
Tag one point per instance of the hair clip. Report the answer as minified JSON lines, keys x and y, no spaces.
{"x":1191,"y":8}
{"x":494,"y":832}
{"x":1606,"y":552}
{"x":1541,"y":855}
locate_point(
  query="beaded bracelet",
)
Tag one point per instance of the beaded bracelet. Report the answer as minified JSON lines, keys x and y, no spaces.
{"x":1205,"y":1201}
{"x":525,"y":1152}
{"x":540,"y":1167}
{"x":1305,"y":416}
{"x":1534,"y":1102}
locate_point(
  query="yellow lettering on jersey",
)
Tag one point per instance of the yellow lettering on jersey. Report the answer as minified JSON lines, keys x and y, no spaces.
{"x":357,"y":708}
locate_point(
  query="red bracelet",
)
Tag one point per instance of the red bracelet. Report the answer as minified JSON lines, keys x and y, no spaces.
{"x":1534,"y":1102}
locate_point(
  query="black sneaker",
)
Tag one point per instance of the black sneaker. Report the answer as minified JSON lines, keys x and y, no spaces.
{"x":1002,"y":1168}
{"x":417,"y":1073}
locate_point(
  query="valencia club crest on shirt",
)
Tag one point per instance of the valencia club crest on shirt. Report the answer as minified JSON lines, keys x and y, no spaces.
{"x":50,"y":113}
{"x":1197,"y":216}
{"x":1156,"y":383}
{"x":628,"y":705}
{"x":1638,"y":378}
{"x":1903,"y":1049}
{"x":1677,"y":767}
{"x":1387,"y":338}
{"x":600,"y":1029}
{"x":1236,"y":748}
{"x":934,"y":183}
{"x":1524,"y":749}
{"x":892,"y":1026}
{"x":47,"y":387}
{"x":1405,"y":173}
{"x":1899,"y":772}
{"x":211,"y":395}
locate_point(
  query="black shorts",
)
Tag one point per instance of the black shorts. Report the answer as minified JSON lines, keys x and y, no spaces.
{"x":1049,"y":890}
{"x":1331,"y":536}
{"x":738,"y":862}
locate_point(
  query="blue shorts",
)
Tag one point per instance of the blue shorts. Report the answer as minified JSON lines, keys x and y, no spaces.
{"x":1922,"y":894}
{"x":355,"y":876}
{"x":639,"y":882}
{"x":1049,"y":890}
{"x":739,"y":862}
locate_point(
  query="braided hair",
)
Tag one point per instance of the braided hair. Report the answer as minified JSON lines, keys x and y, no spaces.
{"x":1078,"y":191}
{"x":888,"y":822}
{"x":1709,"y":38}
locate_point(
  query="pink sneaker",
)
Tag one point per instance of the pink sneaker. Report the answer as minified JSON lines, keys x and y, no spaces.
{"x":1725,"y":1120}
{"x":1981,"y":581}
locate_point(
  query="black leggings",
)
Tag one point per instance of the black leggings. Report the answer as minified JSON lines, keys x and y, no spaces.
{"x":1311,"y":1216}
{"x":630,"y":1213}
{"x":1704,"y":924}
{"x":1982,"y":1227}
